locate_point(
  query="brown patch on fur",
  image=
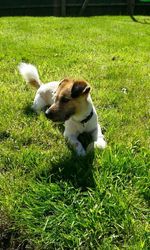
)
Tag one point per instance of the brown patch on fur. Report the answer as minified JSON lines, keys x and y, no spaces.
{"x":72,"y":88}
{"x":35,"y":84}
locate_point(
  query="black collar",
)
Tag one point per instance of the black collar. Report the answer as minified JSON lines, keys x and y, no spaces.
{"x":87,"y":118}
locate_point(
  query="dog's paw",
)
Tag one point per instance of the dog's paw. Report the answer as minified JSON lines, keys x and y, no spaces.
{"x":100,"y":143}
{"x":90,"y":147}
{"x":80,"y":150}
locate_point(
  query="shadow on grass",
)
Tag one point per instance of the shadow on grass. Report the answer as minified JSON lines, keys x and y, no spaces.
{"x":29,"y":111}
{"x":4,"y":135}
{"x":75,"y":170}
{"x":135,"y":19}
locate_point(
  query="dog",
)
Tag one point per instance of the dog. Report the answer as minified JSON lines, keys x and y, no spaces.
{"x":68,"y":101}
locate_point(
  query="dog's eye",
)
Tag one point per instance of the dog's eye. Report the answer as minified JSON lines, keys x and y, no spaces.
{"x":65,"y":99}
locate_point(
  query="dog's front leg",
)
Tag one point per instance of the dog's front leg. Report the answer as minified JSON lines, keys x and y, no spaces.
{"x":72,"y":139}
{"x":38,"y":104}
{"x":98,"y":139}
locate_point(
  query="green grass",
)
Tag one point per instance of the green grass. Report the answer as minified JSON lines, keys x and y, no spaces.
{"x":50,"y":198}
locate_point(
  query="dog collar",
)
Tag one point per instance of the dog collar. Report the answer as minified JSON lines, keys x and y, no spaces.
{"x":87,"y":118}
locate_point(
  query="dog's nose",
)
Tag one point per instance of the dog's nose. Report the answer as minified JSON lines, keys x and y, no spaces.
{"x":49,"y":114}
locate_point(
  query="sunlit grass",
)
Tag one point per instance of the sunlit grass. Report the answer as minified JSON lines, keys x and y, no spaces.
{"x":50,"y":199}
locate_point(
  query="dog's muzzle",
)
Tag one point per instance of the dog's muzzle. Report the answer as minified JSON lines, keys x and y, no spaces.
{"x":49,"y":114}
{"x":54,"y":116}
{"x":58,"y":116}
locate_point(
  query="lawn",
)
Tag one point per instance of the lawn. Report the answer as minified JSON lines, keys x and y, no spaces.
{"x":50,"y":198}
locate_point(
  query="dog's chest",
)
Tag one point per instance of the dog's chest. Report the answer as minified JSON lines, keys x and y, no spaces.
{"x":73,"y":127}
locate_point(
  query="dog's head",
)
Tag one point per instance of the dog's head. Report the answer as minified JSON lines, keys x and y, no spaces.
{"x":71,"y":99}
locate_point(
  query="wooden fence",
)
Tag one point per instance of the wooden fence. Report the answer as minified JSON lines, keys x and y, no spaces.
{"x":70,"y":7}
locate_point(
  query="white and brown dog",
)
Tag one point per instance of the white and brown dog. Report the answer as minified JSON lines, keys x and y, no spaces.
{"x":69,"y":101}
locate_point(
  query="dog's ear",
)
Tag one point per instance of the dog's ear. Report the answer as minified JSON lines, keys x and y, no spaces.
{"x":80,"y":88}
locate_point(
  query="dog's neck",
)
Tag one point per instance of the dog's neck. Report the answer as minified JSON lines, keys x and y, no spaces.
{"x":83,"y":114}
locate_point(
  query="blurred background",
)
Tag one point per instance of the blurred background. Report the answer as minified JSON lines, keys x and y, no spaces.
{"x":74,"y":7}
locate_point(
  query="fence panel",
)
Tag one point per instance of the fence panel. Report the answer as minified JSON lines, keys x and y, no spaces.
{"x":70,"y":7}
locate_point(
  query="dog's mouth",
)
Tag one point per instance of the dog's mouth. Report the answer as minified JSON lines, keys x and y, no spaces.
{"x":58,"y":117}
{"x":58,"y":120}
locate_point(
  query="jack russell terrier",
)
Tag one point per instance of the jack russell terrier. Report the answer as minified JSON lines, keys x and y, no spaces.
{"x":69,"y":101}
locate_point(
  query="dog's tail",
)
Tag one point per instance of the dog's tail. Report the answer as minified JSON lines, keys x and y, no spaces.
{"x":30,"y":74}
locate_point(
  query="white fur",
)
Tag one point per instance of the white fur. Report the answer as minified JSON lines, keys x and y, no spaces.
{"x":29,"y":72}
{"x":47,"y":89}
{"x":45,"y":95}
{"x":73,"y":128}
